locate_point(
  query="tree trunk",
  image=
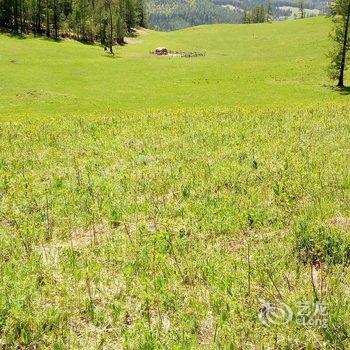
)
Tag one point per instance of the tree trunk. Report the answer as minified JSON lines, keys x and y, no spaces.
{"x":47,"y":19}
{"x":55,"y":19}
{"x":111,"y":29}
{"x":56,"y":28}
{"x":38,"y":23}
{"x":15,"y":16}
{"x":21,"y":16}
{"x":38,"y":18}
{"x":344,"y":51}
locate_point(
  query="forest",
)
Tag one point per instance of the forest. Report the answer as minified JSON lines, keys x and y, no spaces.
{"x":174,"y":14}
{"x":310,"y":4}
{"x":106,"y":21}
{"x":109,"y":21}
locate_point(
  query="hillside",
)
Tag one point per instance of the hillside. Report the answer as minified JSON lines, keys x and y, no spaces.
{"x":175,"y":14}
{"x":309,"y":4}
{"x":164,"y":202}
{"x":245,"y":65}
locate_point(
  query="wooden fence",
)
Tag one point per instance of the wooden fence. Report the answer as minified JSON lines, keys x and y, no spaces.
{"x":188,"y":54}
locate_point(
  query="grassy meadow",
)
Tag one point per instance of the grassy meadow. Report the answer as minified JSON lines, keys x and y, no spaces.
{"x":161,"y":203}
{"x":270,"y":65}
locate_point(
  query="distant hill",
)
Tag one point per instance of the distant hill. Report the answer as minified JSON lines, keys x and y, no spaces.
{"x":279,"y":6}
{"x":176,"y":14}
{"x":311,"y":4}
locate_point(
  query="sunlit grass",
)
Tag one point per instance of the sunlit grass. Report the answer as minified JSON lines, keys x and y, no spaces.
{"x":268,"y":65}
{"x":161,"y":203}
{"x":165,"y":230}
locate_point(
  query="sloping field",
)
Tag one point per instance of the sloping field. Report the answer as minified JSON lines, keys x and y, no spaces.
{"x":170,"y":203}
{"x":168,"y":231}
{"x":279,"y":64}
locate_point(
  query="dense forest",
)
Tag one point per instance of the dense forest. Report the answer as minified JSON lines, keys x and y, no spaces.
{"x":310,"y":4}
{"x":175,"y":14}
{"x":107,"y":21}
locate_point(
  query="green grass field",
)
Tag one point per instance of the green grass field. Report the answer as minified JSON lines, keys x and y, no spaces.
{"x":280,"y":64}
{"x":171,"y":203}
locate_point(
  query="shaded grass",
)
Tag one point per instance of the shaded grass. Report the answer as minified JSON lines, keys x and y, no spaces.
{"x":345,"y":90}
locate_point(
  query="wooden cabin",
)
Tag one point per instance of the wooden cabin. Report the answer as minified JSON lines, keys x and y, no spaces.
{"x":161,"y":51}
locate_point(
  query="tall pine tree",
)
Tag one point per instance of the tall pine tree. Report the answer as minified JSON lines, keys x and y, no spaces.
{"x":340,"y":11}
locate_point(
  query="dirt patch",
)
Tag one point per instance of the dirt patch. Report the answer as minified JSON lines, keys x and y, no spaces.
{"x":234,"y":246}
{"x":206,"y":331}
{"x":37,"y":94}
{"x":340,"y":222}
{"x":80,"y":238}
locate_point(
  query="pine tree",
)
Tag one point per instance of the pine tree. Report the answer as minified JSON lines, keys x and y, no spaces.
{"x":340,"y":11}
{"x":106,"y":20}
{"x":36,"y":15}
{"x":269,"y":11}
{"x":120,"y":29}
{"x":140,"y":12}
{"x":15,"y":16}
{"x":5,"y":14}
{"x":262,"y":18}
{"x":301,"y":9}
{"x":129,"y":15}
{"x":56,"y":16}
{"x":246,"y":16}
{"x":47,"y":18}
{"x":110,"y":26}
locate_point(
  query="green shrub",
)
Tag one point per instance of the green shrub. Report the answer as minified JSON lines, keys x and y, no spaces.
{"x":319,"y":244}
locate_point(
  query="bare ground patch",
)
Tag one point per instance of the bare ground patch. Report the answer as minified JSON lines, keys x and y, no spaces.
{"x":340,"y":222}
{"x":79,"y":238}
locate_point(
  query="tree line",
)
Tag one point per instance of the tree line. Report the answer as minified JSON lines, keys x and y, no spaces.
{"x":267,"y":12}
{"x":176,"y":14}
{"x":258,"y":14}
{"x":340,"y":12}
{"x":106,"y":21}
{"x":309,"y":4}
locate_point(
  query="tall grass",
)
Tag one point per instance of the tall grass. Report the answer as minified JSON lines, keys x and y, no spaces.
{"x":163,"y":231}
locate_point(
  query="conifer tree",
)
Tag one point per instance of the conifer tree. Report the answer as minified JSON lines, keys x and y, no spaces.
{"x":130,"y":19}
{"x":107,"y":21}
{"x":140,"y":13}
{"x":301,"y":9}
{"x":340,"y":11}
